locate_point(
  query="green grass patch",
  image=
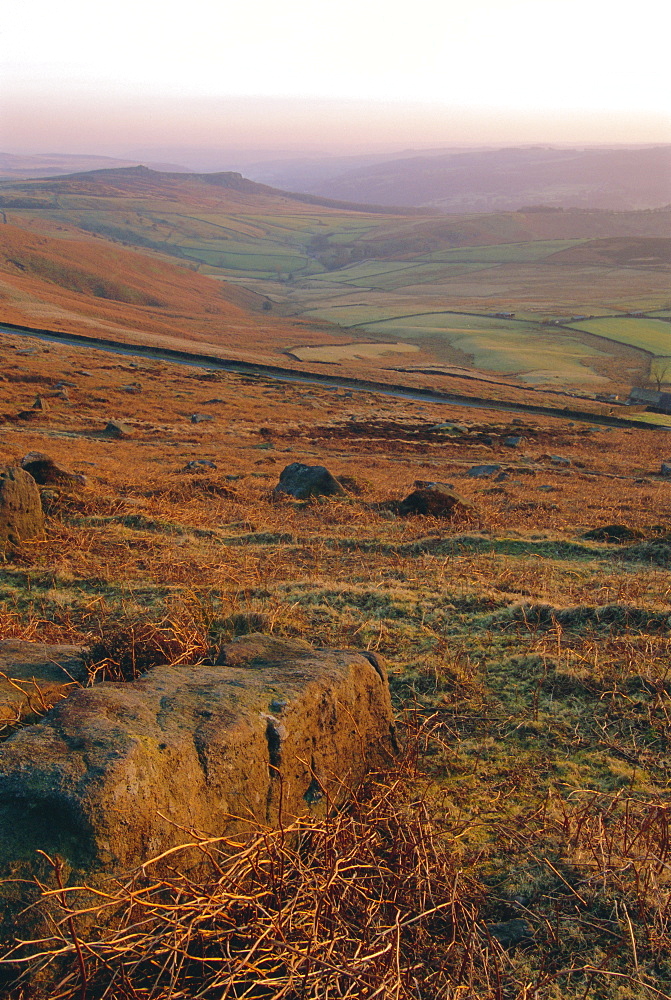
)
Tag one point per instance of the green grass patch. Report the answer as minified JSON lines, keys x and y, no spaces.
{"x":650,"y":335}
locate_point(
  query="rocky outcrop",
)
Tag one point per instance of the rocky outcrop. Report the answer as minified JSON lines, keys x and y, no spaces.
{"x":21,"y":515}
{"x":34,"y":676}
{"x":306,"y":481}
{"x":120,"y":772}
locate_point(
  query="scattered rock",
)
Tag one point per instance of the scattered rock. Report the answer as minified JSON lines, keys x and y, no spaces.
{"x":306,"y":481}
{"x":115,"y":773}
{"x":63,"y":384}
{"x":434,"y":500}
{"x":199,"y":465}
{"x":482,"y":471}
{"x":517,"y":422}
{"x":40,"y":403}
{"x":46,"y":472}
{"x":665,"y":469}
{"x":118,"y":429}
{"x":512,"y":441}
{"x":559,"y":460}
{"x":617,"y":534}
{"x":199,"y":418}
{"x":34,"y":676}
{"x":133,"y":389}
{"x":21,"y":515}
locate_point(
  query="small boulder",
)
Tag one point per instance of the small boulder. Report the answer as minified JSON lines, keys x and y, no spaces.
{"x":436,"y":501}
{"x":46,"y":472}
{"x":199,"y":465}
{"x":512,"y":441}
{"x":482,"y":471}
{"x":665,"y":469}
{"x":559,"y":460}
{"x":199,"y":418}
{"x":306,"y":481}
{"x":40,"y":403}
{"x":118,"y":429}
{"x":21,"y":515}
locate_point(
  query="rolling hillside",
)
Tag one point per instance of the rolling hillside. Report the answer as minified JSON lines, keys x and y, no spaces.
{"x":134,"y":253}
{"x":498,"y":180}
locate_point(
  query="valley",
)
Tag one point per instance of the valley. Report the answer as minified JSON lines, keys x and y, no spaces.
{"x":544,"y":298}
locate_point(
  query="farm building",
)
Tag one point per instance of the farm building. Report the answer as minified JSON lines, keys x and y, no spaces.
{"x":658,"y":402}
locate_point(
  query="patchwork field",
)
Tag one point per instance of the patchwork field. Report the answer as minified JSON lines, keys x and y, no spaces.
{"x":519,"y":845}
{"x":328,"y":264}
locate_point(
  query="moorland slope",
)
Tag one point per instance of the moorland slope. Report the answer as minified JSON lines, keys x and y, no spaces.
{"x":519,"y":847}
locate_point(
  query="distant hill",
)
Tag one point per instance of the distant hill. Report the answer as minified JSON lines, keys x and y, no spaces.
{"x":141,"y":180}
{"x":16,"y":166}
{"x":497,"y":180}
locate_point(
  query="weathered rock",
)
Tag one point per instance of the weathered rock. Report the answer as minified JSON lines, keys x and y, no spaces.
{"x":34,"y":676}
{"x":40,"y":403}
{"x":559,"y":460}
{"x":118,"y":429}
{"x":482,"y":471}
{"x":46,"y":472}
{"x":512,"y":441}
{"x":617,"y":534}
{"x":199,"y":465}
{"x":199,"y":418}
{"x":665,"y":469}
{"x":21,"y":515}
{"x":436,"y":501}
{"x":305,"y":481}
{"x":115,"y":773}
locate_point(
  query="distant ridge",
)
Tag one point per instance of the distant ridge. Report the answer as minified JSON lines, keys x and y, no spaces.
{"x":497,"y":180}
{"x":145,"y":179}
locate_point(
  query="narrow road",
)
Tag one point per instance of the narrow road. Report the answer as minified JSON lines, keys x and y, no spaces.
{"x":316,"y":378}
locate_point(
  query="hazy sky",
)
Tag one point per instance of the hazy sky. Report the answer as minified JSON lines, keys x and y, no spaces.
{"x":83,"y":76}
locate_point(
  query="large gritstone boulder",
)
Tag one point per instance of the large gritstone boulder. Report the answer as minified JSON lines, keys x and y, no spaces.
{"x":305,"y":481}
{"x":117,"y":773}
{"x":33,"y":677}
{"x":21,"y":515}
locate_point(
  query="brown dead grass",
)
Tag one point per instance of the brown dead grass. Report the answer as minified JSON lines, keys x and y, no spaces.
{"x":543,"y":796}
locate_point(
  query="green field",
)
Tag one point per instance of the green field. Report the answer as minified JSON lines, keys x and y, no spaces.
{"x":402,"y":277}
{"x":510,"y":347}
{"x":650,"y":335}
{"x":504,"y":253}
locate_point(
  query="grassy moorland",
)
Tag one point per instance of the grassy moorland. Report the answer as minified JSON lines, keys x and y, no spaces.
{"x":354,"y":275}
{"x":520,"y":847}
